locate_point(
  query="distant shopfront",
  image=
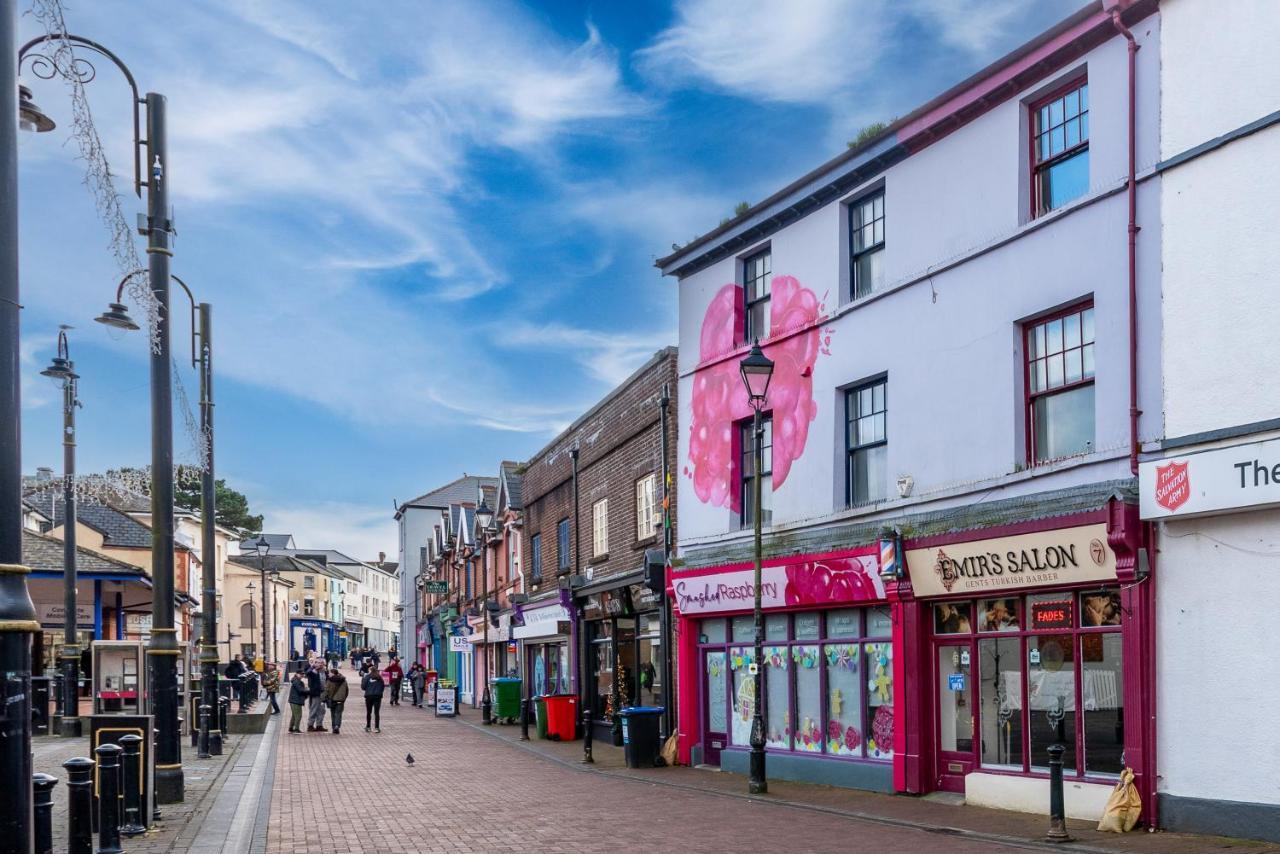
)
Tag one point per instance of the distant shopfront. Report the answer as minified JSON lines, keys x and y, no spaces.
{"x":544,"y":630}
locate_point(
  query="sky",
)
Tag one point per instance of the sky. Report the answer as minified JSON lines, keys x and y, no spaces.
{"x":427,"y":229}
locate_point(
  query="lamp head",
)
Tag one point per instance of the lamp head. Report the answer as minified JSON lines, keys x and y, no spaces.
{"x":757,"y":371}
{"x":117,"y":317}
{"x":60,"y":370}
{"x":31,"y":117}
{"x":484,"y":515}
{"x":262,"y":546}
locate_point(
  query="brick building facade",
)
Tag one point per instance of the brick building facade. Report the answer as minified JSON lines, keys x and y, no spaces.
{"x":591,"y":623}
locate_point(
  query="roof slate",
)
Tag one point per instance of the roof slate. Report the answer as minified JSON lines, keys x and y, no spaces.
{"x":278,"y":542}
{"x":463,"y":490}
{"x":45,"y":554}
{"x":513,"y":484}
{"x":117,"y":528}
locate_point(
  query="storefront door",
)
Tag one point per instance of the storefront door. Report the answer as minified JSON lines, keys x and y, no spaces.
{"x":956,"y":711}
{"x":715,"y":668}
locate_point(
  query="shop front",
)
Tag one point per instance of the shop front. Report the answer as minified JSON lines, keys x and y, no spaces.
{"x":1019,"y":638}
{"x":828,"y":668}
{"x":312,"y":637}
{"x":545,"y":631}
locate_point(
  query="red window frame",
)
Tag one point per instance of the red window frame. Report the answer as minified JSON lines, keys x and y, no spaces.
{"x":1030,"y":397}
{"x":1034,"y":163}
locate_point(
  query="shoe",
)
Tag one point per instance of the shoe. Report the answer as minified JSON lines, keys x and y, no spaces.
{"x":335,"y":732}
{"x":377,"y":729}
{"x":366,"y":729}
{"x":321,"y":729}
{"x":310,"y":728}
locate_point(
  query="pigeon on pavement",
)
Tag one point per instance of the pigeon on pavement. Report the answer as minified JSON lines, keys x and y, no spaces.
{"x":408,"y":758}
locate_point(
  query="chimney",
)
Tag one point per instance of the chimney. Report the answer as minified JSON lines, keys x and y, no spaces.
{"x":44,"y":474}
{"x":382,"y":558}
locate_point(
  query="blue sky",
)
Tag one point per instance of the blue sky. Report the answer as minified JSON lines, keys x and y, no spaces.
{"x":428,"y":229}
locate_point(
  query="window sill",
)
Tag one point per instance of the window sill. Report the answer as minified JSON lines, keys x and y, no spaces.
{"x":651,"y":540}
{"x":596,"y":560}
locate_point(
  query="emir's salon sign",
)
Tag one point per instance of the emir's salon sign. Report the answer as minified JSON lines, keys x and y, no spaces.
{"x":820,"y":581}
{"x":1064,"y":556}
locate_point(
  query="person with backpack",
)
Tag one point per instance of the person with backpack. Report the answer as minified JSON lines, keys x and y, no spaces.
{"x":297,"y":698}
{"x":335,"y":694}
{"x":373,"y":688}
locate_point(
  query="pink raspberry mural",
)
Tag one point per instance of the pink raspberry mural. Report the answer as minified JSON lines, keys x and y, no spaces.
{"x":719,"y":400}
{"x":827,"y":581}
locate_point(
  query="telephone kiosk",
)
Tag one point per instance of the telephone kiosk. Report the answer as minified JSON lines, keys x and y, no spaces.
{"x":120,"y":678}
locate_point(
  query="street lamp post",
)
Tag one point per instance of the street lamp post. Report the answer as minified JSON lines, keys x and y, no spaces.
{"x":757,"y":370}
{"x":484,"y":518}
{"x":262,"y":547}
{"x":62,"y":370}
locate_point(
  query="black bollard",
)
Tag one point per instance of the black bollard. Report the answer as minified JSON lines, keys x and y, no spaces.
{"x":203,"y":752}
{"x":132,"y":777}
{"x":587,"y":758}
{"x":1057,"y":808}
{"x":224,"y":705}
{"x":43,"y":784}
{"x":79,"y":805}
{"x":58,"y":700}
{"x":108,"y":798}
{"x":524,"y":719}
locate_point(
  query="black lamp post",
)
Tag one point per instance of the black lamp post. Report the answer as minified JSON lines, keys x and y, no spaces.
{"x":62,"y":371}
{"x":484,"y":518}
{"x":757,"y":370}
{"x":262,"y":547}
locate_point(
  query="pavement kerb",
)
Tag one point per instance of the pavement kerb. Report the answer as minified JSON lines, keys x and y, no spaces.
{"x":852,"y":815}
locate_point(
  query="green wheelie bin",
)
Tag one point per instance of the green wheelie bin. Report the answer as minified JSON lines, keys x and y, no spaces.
{"x":506,"y":698}
{"x":540,"y":708}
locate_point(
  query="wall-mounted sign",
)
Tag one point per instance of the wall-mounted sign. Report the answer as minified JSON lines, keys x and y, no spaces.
{"x":55,"y":616}
{"x":821,"y":581}
{"x":295,"y":607}
{"x":541,"y":622}
{"x":137,"y":623}
{"x":1238,"y":477}
{"x":1053,"y":613}
{"x":458,"y":643}
{"x":437,"y":587}
{"x":1064,"y":556}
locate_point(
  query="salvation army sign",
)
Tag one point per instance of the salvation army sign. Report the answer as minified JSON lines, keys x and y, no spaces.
{"x":819,"y":581}
{"x":1237,"y":477}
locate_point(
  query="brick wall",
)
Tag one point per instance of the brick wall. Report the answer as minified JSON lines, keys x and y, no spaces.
{"x":619,"y":442}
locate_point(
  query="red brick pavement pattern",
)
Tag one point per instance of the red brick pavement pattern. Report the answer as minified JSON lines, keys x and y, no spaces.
{"x":471,"y":792}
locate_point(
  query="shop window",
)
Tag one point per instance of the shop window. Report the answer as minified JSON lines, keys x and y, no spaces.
{"x":747,"y":468}
{"x":744,"y":695}
{"x":845,"y":623}
{"x":744,"y":629}
{"x":867,"y":444}
{"x":600,"y":527}
{"x":1059,"y":379}
{"x":649,"y":687}
{"x":955,"y":699}
{"x":950,"y":618}
{"x":808,"y":626}
{"x":648,"y":519}
{"x":756,"y":289}
{"x":866,"y":244}
{"x":1000,"y":669}
{"x":717,"y":695}
{"x":1100,"y":608}
{"x":1102,"y":685}
{"x":844,"y":727}
{"x":778,"y":698}
{"x":879,"y":623}
{"x":775,"y":627}
{"x":879,"y":670}
{"x":1060,"y":148}
{"x":712,"y":631}
{"x":1051,"y":698}
{"x":808,"y":682}
{"x":602,"y":649}
{"x":998,"y":615}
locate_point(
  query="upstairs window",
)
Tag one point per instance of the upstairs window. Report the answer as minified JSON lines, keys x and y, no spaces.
{"x":600,"y":527}
{"x":867,"y":443}
{"x":562,"y":546}
{"x":1060,"y":416}
{"x":309,"y":582}
{"x":648,"y":519}
{"x":866,"y":244}
{"x":747,"y":467}
{"x":756,"y":287}
{"x":1060,"y":148}
{"x":535,"y":548}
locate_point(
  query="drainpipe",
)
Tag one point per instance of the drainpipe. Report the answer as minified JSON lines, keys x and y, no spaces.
{"x":1134,"y":412}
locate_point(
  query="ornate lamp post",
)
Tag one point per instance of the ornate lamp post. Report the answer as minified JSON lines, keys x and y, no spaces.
{"x":262,"y":547}
{"x":62,"y":371}
{"x":757,"y":370}
{"x":484,"y":518}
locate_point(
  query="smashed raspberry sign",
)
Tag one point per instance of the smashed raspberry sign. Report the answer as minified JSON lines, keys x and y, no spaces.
{"x":1173,"y":486}
{"x":828,"y":580}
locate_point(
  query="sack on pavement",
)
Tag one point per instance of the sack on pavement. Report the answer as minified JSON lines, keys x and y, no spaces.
{"x":668,"y":753}
{"x":1123,"y":807}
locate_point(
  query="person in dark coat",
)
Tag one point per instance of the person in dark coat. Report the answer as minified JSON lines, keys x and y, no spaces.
{"x":315,"y":700}
{"x":396,"y":677}
{"x":298,"y":692}
{"x":236,"y":668}
{"x":373,"y":688}
{"x":335,"y":694}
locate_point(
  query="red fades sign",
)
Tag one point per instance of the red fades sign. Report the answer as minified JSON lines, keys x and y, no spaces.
{"x":1053,"y":614}
{"x":1173,"y":486}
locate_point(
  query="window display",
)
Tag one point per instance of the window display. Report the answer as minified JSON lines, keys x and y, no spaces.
{"x":778,"y":693}
{"x":1102,"y":684}
{"x":808,"y":685}
{"x":879,"y":699}
{"x":717,"y":691}
{"x":1000,"y":672}
{"x":998,"y":615}
{"x":950,"y":618}
{"x":744,"y":696}
{"x":1051,"y":698}
{"x":844,"y":726}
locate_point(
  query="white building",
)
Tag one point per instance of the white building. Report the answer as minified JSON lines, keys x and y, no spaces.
{"x":1214,"y":487}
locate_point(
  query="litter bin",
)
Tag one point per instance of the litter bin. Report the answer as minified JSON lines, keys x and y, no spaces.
{"x":506,"y":698}
{"x":640,"y":735}
{"x":562,"y":716}
{"x":540,"y":712}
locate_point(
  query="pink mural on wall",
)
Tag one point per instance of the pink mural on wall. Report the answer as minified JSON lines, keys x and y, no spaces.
{"x":719,"y":400}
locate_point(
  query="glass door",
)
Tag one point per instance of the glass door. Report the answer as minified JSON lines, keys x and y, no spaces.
{"x":715,"y":680}
{"x":956,"y":712}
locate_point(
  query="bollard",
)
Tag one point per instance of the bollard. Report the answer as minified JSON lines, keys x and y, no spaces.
{"x":1057,"y":809}
{"x":108,"y":799}
{"x":587,"y":758}
{"x":224,"y":704}
{"x":132,"y":777}
{"x":79,"y":805}
{"x":203,"y":733}
{"x":59,"y":702}
{"x":43,"y":784}
{"x":524,"y":719}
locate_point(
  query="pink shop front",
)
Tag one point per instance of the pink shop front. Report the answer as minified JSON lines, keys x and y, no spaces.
{"x":828,"y":659}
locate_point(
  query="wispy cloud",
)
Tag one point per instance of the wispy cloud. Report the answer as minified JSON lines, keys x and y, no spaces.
{"x":610,"y":356}
{"x":358,"y":530}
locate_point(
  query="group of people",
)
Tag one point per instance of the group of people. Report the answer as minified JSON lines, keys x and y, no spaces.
{"x":320,"y":685}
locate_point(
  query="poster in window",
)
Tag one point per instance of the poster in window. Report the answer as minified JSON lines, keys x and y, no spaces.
{"x":951,"y":618}
{"x":999,"y":615}
{"x":1100,"y":608}
{"x":1051,"y":612}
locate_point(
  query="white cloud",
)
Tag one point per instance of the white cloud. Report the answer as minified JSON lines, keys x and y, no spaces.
{"x":357,"y":530}
{"x":608,"y":356}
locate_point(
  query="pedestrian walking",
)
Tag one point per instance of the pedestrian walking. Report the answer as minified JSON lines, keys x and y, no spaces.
{"x":298,"y":693}
{"x":335,"y":694}
{"x":373,"y":687}
{"x":271,"y":684}
{"x":315,"y":700}
{"x":418,"y":682}
{"x":395,"y":676}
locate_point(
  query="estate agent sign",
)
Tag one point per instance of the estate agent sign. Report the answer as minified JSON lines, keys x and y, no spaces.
{"x":1064,"y":556}
{"x":1214,"y":481}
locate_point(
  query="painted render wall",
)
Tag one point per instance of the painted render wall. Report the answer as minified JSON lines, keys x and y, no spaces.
{"x":950,"y":343}
{"x":415,"y":531}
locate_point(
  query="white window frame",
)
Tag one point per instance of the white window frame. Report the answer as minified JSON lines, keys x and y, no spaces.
{"x":648,"y":519}
{"x":600,"y":527}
